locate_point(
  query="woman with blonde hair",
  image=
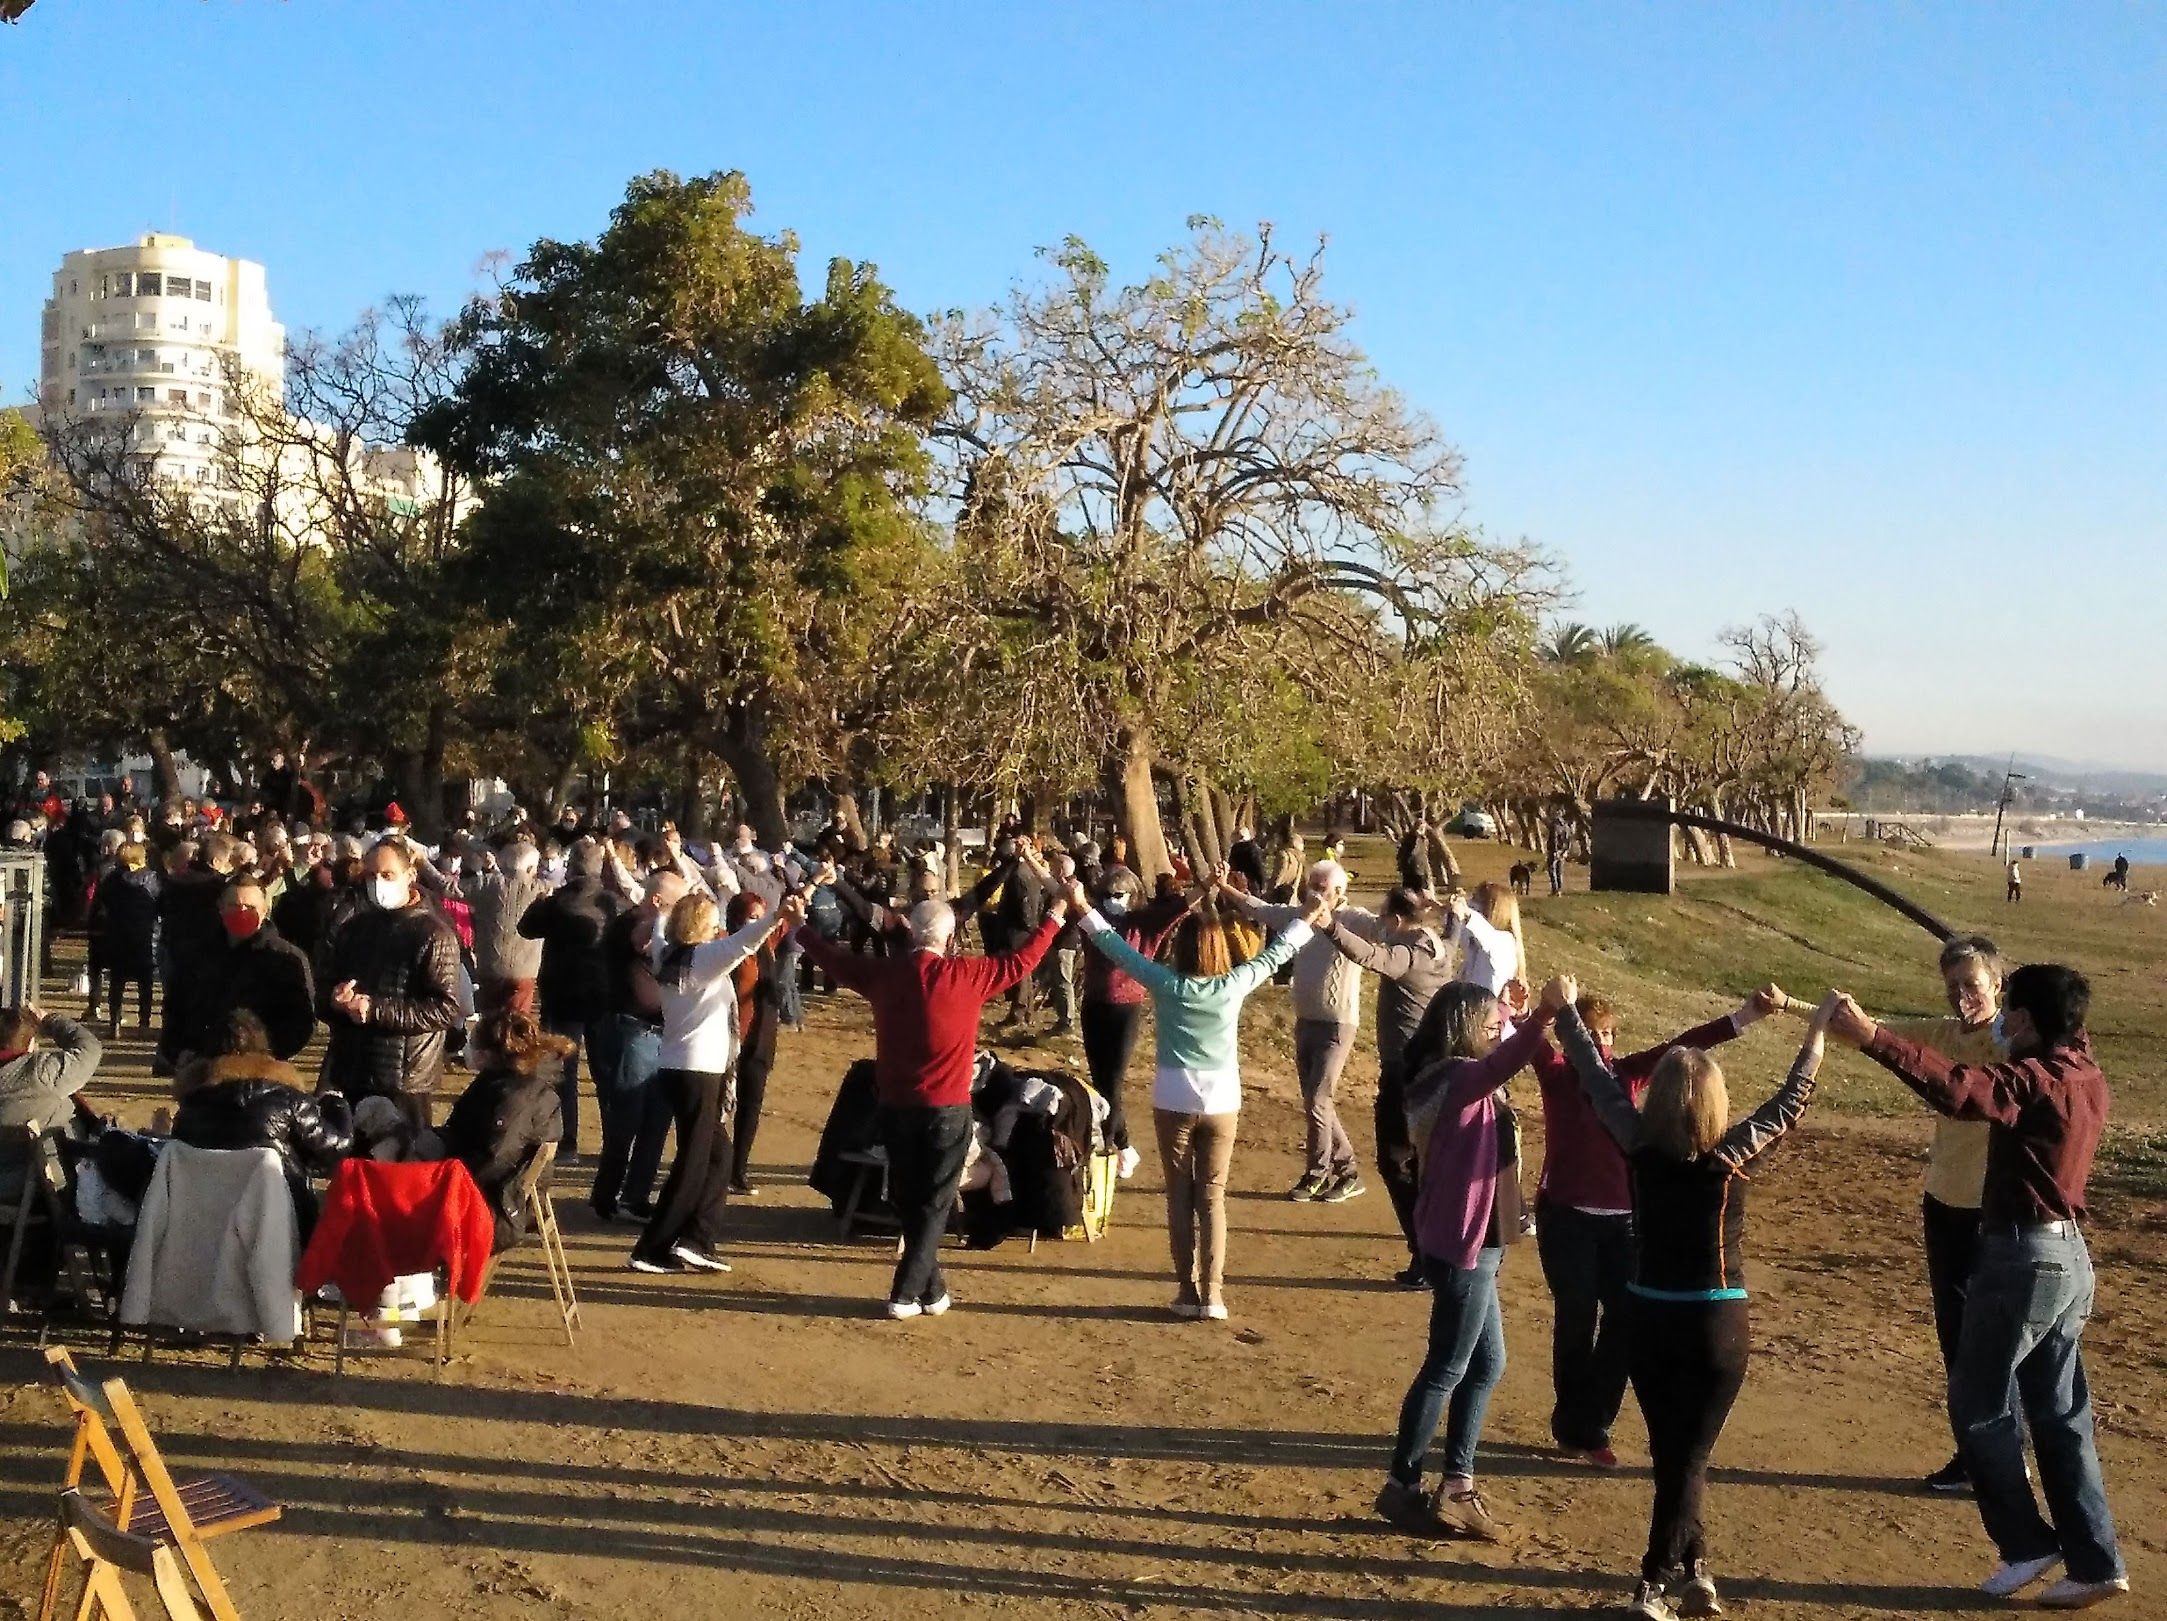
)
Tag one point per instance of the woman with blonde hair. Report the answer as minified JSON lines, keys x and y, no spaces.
{"x":1486,"y":927}
{"x":1690,"y":1329}
{"x":1196,"y":1093}
{"x":693,"y":962}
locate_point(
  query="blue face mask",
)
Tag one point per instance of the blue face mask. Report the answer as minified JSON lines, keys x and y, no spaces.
{"x":2001,"y":1031}
{"x":1113,"y":905}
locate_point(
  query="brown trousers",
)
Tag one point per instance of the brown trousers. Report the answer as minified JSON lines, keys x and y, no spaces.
{"x":1197,"y":1151}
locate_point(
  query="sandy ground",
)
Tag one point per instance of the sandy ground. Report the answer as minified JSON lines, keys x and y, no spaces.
{"x":763,"y":1444}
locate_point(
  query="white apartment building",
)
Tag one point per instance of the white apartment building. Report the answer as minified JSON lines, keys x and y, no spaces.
{"x":149,"y":331}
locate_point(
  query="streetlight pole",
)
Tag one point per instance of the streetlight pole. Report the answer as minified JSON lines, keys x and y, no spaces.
{"x":2008,"y":797}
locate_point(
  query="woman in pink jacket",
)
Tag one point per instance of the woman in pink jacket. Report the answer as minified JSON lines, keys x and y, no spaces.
{"x":1465,"y":1213}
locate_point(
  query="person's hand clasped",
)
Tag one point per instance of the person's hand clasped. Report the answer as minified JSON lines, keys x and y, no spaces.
{"x":1319,"y":915}
{"x":1844,"y":1019}
{"x":1561,"y":993}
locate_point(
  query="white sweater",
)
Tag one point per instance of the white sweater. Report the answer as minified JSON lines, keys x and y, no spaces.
{"x":699,"y":1017}
{"x":1489,"y":955}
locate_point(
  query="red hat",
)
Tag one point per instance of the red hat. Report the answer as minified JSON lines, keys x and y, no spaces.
{"x":395,"y":816}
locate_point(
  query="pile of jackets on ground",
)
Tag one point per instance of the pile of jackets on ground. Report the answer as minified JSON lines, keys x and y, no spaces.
{"x":1028,"y":1168}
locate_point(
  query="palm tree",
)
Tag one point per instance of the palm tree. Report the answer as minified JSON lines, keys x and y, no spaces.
{"x":1625,"y":640}
{"x":1570,"y":643}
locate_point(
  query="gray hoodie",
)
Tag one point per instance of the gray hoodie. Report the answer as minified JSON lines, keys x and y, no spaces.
{"x":38,"y":1087}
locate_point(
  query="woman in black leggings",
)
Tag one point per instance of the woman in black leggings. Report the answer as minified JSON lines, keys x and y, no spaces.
{"x":1690,"y":1328}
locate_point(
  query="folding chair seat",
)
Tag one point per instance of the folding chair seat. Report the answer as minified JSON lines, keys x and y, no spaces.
{"x":148,"y":1504}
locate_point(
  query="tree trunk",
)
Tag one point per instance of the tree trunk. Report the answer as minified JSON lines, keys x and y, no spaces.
{"x":952,"y":837}
{"x":742,"y":744}
{"x":691,"y":801}
{"x":428,"y":815}
{"x":1136,"y":805}
{"x":163,"y":766}
{"x":560,"y":794}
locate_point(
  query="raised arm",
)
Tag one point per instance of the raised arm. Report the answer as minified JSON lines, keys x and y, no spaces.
{"x":1703,"y":1036}
{"x":1393,"y":962}
{"x":1612,"y":1107}
{"x":1764,"y":1127}
{"x":1152,"y":975}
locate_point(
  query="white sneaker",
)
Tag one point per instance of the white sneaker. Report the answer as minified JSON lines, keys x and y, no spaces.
{"x":1216,"y":1311}
{"x":934,"y":1308}
{"x":2071,"y":1594}
{"x":1649,"y":1604}
{"x":1125,"y":1165}
{"x":902,"y":1311}
{"x":698,"y":1259}
{"x":2011,"y":1579}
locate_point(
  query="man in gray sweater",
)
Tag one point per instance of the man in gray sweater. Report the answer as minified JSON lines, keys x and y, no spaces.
{"x":505,"y":961}
{"x":1327,"y":1008}
{"x":1415,"y":964}
{"x":38,"y":1082}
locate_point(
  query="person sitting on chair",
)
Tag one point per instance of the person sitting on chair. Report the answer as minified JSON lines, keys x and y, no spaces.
{"x":509,"y":1110}
{"x":240,"y":1096}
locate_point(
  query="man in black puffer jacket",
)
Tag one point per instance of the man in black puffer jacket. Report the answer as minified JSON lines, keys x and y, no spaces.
{"x":574,"y":982}
{"x":389,"y":990}
{"x":246,"y":1098}
{"x":255,"y":970}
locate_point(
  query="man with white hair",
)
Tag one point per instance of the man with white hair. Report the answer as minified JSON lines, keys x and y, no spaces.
{"x":1327,"y":1008}
{"x":926,"y":1005}
{"x":500,"y":889}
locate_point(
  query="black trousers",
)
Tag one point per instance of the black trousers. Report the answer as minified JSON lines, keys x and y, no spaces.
{"x":689,"y":1210}
{"x":926,"y":1147}
{"x":1689,"y":1361}
{"x":1586,"y":1260}
{"x":1952,"y":1246}
{"x":1109,"y":1031}
{"x":1396,"y":1154}
{"x":753,"y":1068}
{"x":116,"y":977}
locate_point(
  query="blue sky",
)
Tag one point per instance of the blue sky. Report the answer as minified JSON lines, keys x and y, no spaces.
{"x":1854,"y":309}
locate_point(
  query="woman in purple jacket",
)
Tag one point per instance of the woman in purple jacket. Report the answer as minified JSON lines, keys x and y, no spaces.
{"x":1458,"y":1061}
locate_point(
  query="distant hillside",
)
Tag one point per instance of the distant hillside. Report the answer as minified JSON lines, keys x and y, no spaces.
{"x":2073,"y":774}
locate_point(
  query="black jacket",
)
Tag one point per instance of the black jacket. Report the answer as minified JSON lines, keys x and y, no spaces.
{"x":188,"y":909}
{"x":266,"y":974}
{"x":249,"y":1101}
{"x":1246,"y":856}
{"x":500,"y":1119}
{"x":574,"y":981}
{"x":407,"y":963}
{"x":124,"y":917}
{"x":303,"y":912}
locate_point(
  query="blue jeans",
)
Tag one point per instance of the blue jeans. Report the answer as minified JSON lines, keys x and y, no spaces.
{"x":2018,"y":1366}
{"x":790,"y":997}
{"x":594,"y":1035}
{"x":1465,"y":1361}
{"x":635,"y":1117}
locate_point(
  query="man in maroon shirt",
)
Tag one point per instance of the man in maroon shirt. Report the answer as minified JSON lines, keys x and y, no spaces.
{"x":926,"y":1007}
{"x":2031,"y":1286}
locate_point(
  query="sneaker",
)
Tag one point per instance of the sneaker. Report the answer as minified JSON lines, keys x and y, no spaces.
{"x":699,"y":1258}
{"x":743,"y":1190}
{"x":1215,"y":1311}
{"x":934,"y":1308}
{"x":1698,"y":1596}
{"x":2012,"y":1577}
{"x":1342,"y":1188}
{"x":640,"y":1209}
{"x":1411,"y":1276}
{"x":1952,"y":1479}
{"x":1188,"y":1308}
{"x":1649,"y":1603}
{"x":655,"y":1263}
{"x":2071,"y":1594}
{"x":602,"y":1212}
{"x":1306,"y":1190}
{"x":1467,"y":1515}
{"x":902,"y":1311}
{"x":362,"y":1335}
{"x":1593,"y":1457}
{"x":1125,"y":1165}
{"x":1411,"y":1509}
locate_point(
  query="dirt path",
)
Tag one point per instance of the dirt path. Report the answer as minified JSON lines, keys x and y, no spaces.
{"x":763,"y":1444}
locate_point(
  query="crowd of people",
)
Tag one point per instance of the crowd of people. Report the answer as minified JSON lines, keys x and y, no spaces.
{"x":670,"y":966}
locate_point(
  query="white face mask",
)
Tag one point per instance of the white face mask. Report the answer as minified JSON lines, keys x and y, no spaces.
{"x":389,"y":893}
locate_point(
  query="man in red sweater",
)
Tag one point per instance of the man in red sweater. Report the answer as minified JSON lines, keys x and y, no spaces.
{"x":926,"y":1007}
{"x":1584,"y":1225}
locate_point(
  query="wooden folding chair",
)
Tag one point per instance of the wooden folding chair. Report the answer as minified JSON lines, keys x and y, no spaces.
{"x":180,"y":1515}
{"x":103,"y":1550}
{"x":528,"y":1189}
{"x":440,"y":1318}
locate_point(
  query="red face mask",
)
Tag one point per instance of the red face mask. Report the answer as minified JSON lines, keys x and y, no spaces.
{"x":241,"y":922}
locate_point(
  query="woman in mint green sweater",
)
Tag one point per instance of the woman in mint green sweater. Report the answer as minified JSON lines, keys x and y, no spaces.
{"x":1196,"y":1094}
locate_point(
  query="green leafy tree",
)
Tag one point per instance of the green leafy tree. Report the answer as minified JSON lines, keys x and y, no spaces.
{"x":701,"y":479}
